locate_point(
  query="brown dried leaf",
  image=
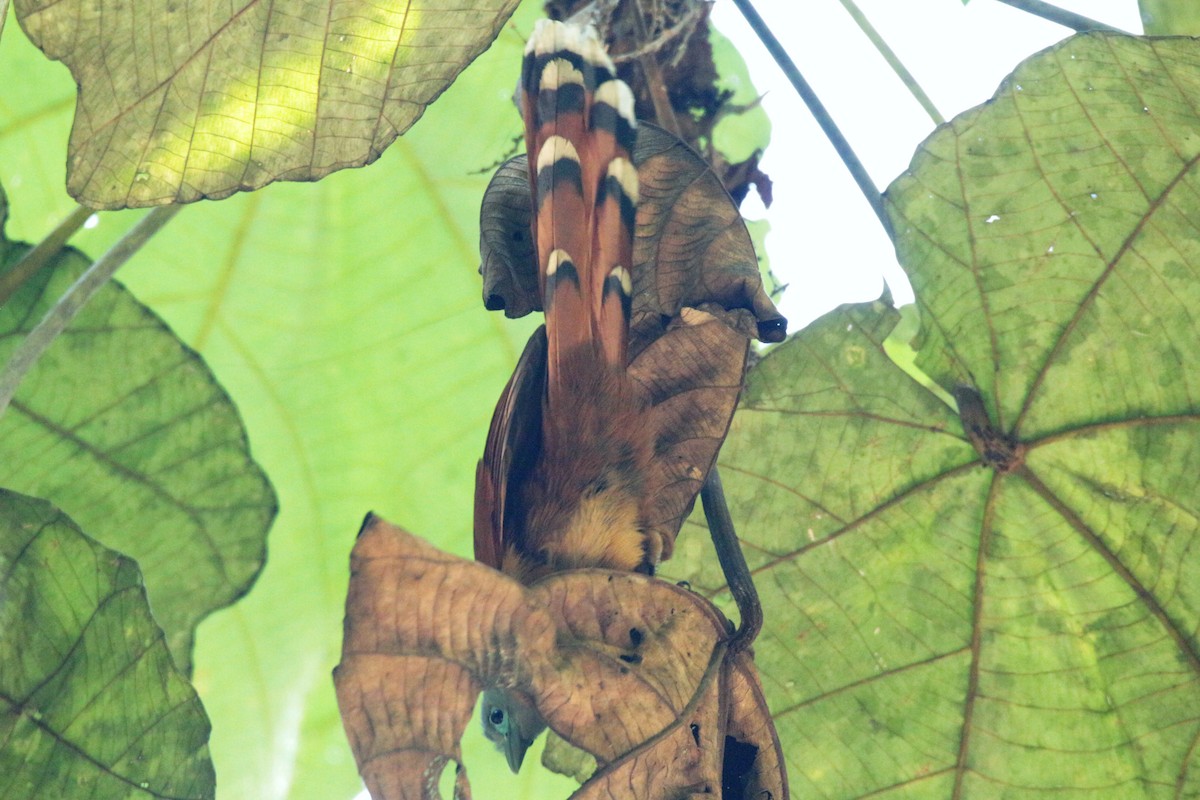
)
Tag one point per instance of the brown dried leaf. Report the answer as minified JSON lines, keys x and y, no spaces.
{"x":682,"y":760}
{"x":692,"y":235}
{"x":622,"y":665}
{"x":692,"y":246}
{"x":398,"y":653}
{"x":630,"y":686}
{"x":692,"y":375}
{"x":750,"y":724}
{"x":508,"y":262}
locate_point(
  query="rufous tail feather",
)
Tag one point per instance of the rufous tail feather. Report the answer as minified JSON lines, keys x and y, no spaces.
{"x":580,"y":127}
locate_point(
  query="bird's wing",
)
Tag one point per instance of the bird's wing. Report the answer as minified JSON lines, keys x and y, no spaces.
{"x":513,"y":442}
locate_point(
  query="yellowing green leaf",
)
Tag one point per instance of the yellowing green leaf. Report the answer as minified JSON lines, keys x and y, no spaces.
{"x":184,"y":100}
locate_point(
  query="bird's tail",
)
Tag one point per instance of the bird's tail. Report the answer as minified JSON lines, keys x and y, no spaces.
{"x":579,"y":131}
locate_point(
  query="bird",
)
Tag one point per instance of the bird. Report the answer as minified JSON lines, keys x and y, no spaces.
{"x":563,"y":482}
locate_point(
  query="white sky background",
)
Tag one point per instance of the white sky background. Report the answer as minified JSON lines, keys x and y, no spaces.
{"x":825,"y":241}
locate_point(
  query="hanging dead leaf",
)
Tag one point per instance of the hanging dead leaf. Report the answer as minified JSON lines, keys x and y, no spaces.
{"x":754,"y":764}
{"x":684,"y":759}
{"x":627,"y":667}
{"x":692,"y":376}
{"x":691,"y":248}
{"x":507,"y":260}
{"x":691,"y":232}
{"x":407,"y":681}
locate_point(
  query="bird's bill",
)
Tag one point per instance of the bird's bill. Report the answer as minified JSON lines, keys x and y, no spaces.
{"x":514,"y":750}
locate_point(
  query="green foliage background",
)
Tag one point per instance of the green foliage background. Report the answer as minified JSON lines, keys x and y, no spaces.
{"x":345,"y":318}
{"x":934,"y":628}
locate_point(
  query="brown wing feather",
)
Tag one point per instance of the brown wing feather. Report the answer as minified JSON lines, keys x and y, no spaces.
{"x":513,"y":443}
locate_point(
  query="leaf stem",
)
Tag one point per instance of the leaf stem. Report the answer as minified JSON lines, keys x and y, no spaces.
{"x":42,"y":253}
{"x":733,"y":563}
{"x":817,"y":109}
{"x":893,"y":61}
{"x":1069,"y":19}
{"x":60,"y":315}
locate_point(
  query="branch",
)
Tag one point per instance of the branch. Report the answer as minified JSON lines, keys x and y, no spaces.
{"x":817,"y":109}
{"x":74,"y":299}
{"x":893,"y":61}
{"x":685,"y":25}
{"x":1061,"y":16}
{"x":42,"y":253}
{"x":663,"y":111}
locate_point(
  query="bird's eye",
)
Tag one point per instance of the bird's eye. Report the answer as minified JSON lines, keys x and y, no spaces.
{"x":497,"y":718}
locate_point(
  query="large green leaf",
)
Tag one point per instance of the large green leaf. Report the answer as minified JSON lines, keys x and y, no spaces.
{"x":124,"y":428}
{"x":1164,"y":17}
{"x":91,"y":704}
{"x":942,"y":623}
{"x":1062,"y":205}
{"x":184,"y":100}
{"x":35,"y":121}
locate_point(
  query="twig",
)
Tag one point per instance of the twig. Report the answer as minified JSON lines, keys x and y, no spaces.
{"x":733,"y":563}
{"x":817,"y":109}
{"x":893,"y":61}
{"x":663,"y":112}
{"x":1069,"y":19}
{"x":42,"y":253}
{"x":686,"y":23}
{"x":74,"y":299}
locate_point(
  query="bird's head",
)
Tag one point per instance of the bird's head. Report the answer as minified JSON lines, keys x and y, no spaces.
{"x":511,"y":722}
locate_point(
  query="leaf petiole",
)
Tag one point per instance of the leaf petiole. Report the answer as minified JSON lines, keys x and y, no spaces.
{"x":42,"y":253}
{"x":817,"y":109}
{"x":60,"y":315}
{"x":1069,"y":19}
{"x":733,"y":563}
{"x":893,"y":61}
